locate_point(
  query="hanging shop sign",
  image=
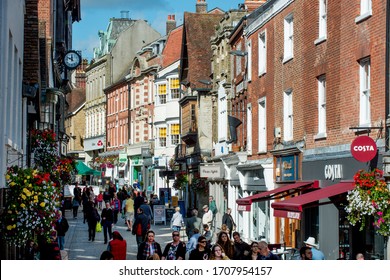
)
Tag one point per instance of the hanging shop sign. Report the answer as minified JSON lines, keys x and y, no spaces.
{"x":363,"y":148}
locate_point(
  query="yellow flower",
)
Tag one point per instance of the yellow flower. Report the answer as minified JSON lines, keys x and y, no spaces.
{"x":7,"y":177}
{"x":23,"y":196}
{"x":22,"y":205}
{"x":25,"y":181}
{"x":28,"y":177}
{"x":10,"y":227}
{"x":12,"y":184}
{"x":42,"y":204}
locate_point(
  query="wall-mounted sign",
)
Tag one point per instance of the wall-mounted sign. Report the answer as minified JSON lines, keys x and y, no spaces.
{"x":211,"y":171}
{"x":287,"y":168}
{"x":363,"y":148}
{"x":91,"y":144}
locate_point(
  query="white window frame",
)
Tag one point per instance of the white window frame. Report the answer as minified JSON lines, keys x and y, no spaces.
{"x":222,"y":114}
{"x":249,"y":129}
{"x":321,"y":82}
{"x":322,"y":21}
{"x":262,"y":53}
{"x":248,"y":62}
{"x":262,"y":143}
{"x":174,"y":138}
{"x":365,"y":88}
{"x":365,"y":10}
{"x":288,"y":38}
{"x":288,"y":117}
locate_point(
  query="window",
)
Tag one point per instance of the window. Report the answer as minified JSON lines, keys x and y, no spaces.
{"x":365,"y":10}
{"x":322,"y":20}
{"x":222,"y":114}
{"x":248,"y":62}
{"x":249,"y":129}
{"x":288,"y":116}
{"x":162,"y":93}
{"x":174,"y":88}
{"x":288,"y":38}
{"x":262,"y":126}
{"x":365,"y":112}
{"x":262,"y":53}
{"x":175,"y":134}
{"x":162,"y":136}
{"x":321,"y":106}
{"x":238,"y":61}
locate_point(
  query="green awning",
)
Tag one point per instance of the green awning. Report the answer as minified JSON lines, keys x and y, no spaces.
{"x":82,"y":169}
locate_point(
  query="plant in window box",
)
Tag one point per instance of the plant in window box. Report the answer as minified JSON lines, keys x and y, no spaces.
{"x":370,"y":198}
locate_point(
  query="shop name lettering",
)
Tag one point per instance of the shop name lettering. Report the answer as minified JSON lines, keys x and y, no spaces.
{"x":333,"y":171}
{"x":367,"y":148}
{"x":210,"y":171}
{"x":293,"y":215}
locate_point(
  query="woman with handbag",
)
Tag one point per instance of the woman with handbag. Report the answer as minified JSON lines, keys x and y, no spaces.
{"x":93,"y":218}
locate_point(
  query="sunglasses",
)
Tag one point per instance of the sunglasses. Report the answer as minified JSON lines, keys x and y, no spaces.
{"x":204,"y":241}
{"x":175,"y":234}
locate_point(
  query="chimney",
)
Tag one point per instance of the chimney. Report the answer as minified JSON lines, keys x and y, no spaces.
{"x":171,"y":23}
{"x":251,"y":5}
{"x":125,"y":14}
{"x":201,"y":7}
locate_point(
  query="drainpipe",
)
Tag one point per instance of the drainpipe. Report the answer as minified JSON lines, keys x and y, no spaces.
{"x":387,"y":112}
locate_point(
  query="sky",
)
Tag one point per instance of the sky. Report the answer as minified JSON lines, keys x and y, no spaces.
{"x":95,"y":16}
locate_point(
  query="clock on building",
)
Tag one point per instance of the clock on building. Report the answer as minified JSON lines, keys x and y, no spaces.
{"x":72,"y":59}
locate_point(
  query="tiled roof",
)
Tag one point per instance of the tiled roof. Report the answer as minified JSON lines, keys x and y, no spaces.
{"x":75,"y":99}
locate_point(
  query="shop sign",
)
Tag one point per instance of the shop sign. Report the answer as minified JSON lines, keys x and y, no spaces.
{"x":287,"y":168}
{"x":122,"y":158}
{"x":363,"y":148}
{"x":244,"y":207}
{"x":210,"y":171}
{"x":333,"y":171}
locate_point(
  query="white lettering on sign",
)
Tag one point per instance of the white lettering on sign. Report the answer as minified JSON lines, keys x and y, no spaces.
{"x":333,"y":171}
{"x":293,"y":215}
{"x":367,"y":148}
{"x":242,"y":208}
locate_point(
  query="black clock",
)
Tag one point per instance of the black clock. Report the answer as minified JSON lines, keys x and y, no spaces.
{"x":72,"y":60}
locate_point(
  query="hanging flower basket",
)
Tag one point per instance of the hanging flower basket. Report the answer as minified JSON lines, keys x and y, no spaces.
{"x":45,"y":149}
{"x":199,"y":184}
{"x":180,"y":181}
{"x":31,"y":207}
{"x":370,"y":199}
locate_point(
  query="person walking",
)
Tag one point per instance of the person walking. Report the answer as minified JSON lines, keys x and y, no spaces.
{"x":193,"y":222}
{"x":129,"y":212}
{"x":149,"y":247}
{"x":93,"y":218}
{"x":61,"y":227}
{"x":175,"y":250}
{"x":116,"y":206}
{"x":317,"y":254}
{"x":140,"y":226}
{"x":107,"y":220}
{"x":75,"y":207}
{"x":177,"y":220}
{"x":227,"y":219}
{"x":117,"y":246}
{"x":207,"y":218}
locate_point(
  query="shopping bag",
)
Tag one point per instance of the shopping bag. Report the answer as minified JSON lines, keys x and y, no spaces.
{"x":98,"y":227}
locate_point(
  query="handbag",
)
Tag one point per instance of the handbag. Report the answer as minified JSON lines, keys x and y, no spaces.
{"x":98,"y":227}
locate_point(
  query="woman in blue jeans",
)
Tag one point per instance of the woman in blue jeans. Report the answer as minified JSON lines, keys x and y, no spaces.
{"x":177,"y":220}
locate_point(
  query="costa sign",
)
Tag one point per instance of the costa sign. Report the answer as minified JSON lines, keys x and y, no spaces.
{"x":363,"y":148}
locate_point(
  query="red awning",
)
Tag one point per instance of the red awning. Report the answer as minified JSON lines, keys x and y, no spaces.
{"x":244,"y":204}
{"x":293,"y":207}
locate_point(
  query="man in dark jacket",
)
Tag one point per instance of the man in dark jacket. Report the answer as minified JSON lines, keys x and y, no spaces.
{"x":107,"y":220}
{"x":227,"y":219}
{"x":61,"y":227}
{"x":241,"y":248}
{"x":140,"y":226}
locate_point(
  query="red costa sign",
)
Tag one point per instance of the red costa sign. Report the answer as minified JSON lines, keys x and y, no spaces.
{"x":363,"y":148}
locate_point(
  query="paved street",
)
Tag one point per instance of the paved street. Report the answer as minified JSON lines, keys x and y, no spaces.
{"x":79,"y":248}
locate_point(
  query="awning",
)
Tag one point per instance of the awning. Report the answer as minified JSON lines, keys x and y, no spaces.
{"x":244,"y":204}
{"x":82,"y":169}
{"x":292,"y":208}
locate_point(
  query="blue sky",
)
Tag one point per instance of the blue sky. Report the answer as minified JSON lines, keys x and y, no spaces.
{"x":95,"y":15}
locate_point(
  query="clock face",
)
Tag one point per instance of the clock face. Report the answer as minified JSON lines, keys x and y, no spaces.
{"x":72,"y":59}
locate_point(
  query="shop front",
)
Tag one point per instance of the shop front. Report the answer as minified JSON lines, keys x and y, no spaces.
{"x":320,"y":213}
